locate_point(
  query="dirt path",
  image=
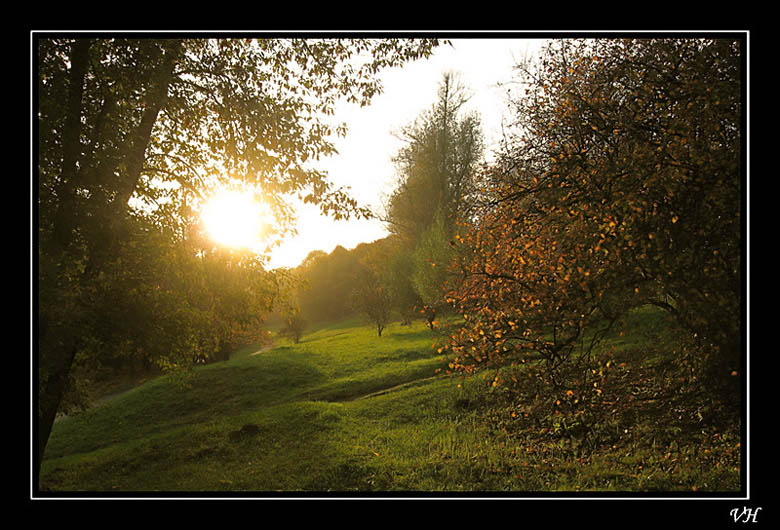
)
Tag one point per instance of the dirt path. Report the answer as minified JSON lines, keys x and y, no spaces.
{"x":262,"y":350}
{"x":408,"y":384}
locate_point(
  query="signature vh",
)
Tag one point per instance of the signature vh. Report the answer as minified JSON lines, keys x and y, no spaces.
{"x":746,"y":515}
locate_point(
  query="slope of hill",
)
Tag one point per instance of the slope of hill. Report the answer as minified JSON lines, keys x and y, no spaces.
{"x":346,"y":411}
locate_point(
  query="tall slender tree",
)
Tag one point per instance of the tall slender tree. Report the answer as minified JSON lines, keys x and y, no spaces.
{"x":437,"y":169}
{"x":437,"y":165}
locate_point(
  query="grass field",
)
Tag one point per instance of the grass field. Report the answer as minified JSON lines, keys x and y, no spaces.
{"x":345,"y":411}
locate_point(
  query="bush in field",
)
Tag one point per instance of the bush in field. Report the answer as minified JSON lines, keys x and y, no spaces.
{"x":293,"y":329}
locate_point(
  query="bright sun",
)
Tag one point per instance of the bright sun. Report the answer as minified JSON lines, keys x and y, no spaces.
{"x":235,"y":219}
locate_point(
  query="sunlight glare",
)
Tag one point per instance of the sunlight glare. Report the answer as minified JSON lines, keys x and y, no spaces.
{"x":235,"y":219}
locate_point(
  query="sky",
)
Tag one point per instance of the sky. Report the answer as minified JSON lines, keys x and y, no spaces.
{"x":364,"y":163}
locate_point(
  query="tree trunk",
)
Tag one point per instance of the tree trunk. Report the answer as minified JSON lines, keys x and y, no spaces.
{"x":58,"y":345}
{"x":51,"y":394}
{"x":55,"y":355}
{"x":71,"y":145}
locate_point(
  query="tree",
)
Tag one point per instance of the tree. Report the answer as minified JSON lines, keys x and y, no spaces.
{"x":437,"y":188}
{"x":294,"y":326}
{"x":437,"y":165}
{"x":621,"y":187}
{"x":373,"y":298}
{"x":432,"y":260}
{"x":142,"y":126}
{"x":400,"y":271}
{"x":373,"y":284}
{"x":327,"y":281}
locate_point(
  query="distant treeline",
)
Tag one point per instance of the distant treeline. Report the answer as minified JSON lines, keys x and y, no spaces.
{"x":370,"y":280}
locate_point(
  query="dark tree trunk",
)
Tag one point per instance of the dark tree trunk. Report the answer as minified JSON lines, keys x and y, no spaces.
{"x":58,"y":344}
{"x":51,"y":393}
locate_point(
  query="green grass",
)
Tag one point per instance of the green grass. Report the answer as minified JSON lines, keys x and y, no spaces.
{"x":345,"y":411}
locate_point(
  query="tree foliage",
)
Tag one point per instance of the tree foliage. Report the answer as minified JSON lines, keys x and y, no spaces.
{"x":372,"y":293}
{"x":294,"y":326}
{"x":400,"y":271}
{"x":437,"y":189}
{"x":326,"y":283}
{"x":620,"y":187}
{"x":131,"y":133}
{"x":436,"y":166}
{"x":432,"y":259}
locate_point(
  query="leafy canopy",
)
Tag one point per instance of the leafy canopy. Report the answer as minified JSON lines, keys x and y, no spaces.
{"x":620,"y":186}
{"x":131,"y":134}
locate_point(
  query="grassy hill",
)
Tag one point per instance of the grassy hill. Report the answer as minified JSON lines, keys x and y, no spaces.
{"x":345,"y":411}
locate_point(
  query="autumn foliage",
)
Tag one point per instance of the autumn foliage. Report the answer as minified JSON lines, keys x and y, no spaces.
{"x":620,"y":187}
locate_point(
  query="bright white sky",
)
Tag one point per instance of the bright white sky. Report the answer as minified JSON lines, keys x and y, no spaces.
{"x":364,"y":162}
